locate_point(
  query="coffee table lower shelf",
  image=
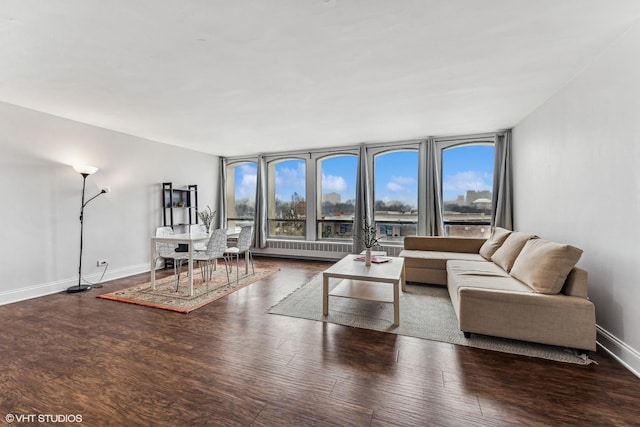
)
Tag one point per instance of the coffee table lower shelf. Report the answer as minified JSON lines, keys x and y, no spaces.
{"x":371,"y":291}
{"x":362,"y":289}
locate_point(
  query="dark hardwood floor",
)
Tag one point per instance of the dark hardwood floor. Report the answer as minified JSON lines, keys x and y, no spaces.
{"x":230,"y":363}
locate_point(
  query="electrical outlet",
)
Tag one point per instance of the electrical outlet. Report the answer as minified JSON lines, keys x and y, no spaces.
{"x":102,"y":262}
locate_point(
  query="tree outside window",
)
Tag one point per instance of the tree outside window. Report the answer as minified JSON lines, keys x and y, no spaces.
{"x":241,"y":193}
{"x":336,"y":196}
{"x":287,"y":207}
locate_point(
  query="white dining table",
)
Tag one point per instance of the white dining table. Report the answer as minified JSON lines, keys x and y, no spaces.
{"x":182,"y":238}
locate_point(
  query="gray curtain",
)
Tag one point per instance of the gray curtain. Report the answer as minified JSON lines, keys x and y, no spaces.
{"x":221,"y":221}
{"x":260,"y":219}
{"x":364,"y":206}
{"x":502,"y":206}
{"x":430,"y":173}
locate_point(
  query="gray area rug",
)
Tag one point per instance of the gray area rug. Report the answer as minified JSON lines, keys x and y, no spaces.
{"x":425,"y":312}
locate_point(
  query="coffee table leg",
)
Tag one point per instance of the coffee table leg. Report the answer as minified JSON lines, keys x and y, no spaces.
{"x":396,"y":303}
{"x":325,"y":295}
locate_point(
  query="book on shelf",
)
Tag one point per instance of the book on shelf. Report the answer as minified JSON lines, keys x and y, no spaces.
{"x":374,"y":259}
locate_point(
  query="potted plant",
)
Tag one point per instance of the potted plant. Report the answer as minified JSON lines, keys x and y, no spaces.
{"x":207,"y":216}
{"x":368,"y":239}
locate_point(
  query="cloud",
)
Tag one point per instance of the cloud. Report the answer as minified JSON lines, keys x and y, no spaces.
{"x":469,"y":180}
{"x":399,"y":184}
{"x":395,"y":187}
{"x":403,"y":180}
{"x":332,"y":183}
{"x":246,"y":188}
{"x":291,"y":176}
{"x":290,"y":180}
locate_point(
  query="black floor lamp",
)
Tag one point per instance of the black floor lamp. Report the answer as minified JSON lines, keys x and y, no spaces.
{"x":85,"y":171}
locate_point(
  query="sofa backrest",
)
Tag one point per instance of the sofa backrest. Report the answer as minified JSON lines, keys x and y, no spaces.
{"x":443,"y":244}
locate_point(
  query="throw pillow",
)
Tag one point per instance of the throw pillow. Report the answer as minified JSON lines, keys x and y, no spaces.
{"x":498,"y":236}
{"x":506,"y":254}
{"x":545,"y":265}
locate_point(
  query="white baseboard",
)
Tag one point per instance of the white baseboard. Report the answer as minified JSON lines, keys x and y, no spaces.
{"x":42,"y":289}
{"x":619,"y":350}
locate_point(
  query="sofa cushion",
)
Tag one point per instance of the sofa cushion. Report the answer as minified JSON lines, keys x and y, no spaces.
{"x":498,"y":236}
{"x":507,"y":253}
{"x":424,"y":259}
{"x":480,"y":275}
{"x":544,"y":265}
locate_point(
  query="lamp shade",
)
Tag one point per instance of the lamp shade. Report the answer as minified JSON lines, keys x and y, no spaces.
{"x":85,"y":169}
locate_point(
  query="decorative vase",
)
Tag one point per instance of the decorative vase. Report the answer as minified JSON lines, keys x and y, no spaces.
{"x":367,"y":257}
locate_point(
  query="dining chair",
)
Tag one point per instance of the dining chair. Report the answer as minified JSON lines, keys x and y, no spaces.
{"x":244,"y":247}
{"x":215,"y":249}
{"x":198,"y":228}
{"x":168,"y":251}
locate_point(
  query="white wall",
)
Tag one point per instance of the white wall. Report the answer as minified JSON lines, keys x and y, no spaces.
{"x":577,"y":180}
{"x":41,"y":197}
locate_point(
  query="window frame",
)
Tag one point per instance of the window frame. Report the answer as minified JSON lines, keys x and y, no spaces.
{"x":446,"y":144}
{"x":377,"y":150}
{"x":317,"y":159}
{"x":271,"y":163}
{"x":232,"y":165}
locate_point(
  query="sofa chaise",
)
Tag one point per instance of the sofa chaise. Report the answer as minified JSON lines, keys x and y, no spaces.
{"x":512,"y":285}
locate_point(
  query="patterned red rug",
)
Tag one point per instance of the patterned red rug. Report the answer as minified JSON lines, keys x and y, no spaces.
{"x":166,"y":297}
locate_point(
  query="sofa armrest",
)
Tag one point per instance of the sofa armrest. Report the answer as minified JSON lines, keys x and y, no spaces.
{"x":443,"y":244}
{"x":576,"y":283}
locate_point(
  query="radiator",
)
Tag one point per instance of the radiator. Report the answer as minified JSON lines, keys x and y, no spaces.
{"x":313,"y":249}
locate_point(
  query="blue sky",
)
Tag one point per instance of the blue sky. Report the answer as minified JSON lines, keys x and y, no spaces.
{"x":469,"y":167}
{"x":246,"y":181}
{"x":396,"y":175}
{"x":339,"y":176}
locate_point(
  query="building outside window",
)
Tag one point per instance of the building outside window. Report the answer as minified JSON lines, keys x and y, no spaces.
{"x":467,"y":184}
{"x":396,"y":194}
{"x":286,"y":203}
{"x":336,"y":184}
{"x":241,"y":193}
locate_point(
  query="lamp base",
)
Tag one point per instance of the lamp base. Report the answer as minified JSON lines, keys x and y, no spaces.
{"x":78,"y":288}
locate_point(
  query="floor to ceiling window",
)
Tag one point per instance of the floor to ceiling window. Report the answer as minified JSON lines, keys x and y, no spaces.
{"x":336,"y":183}
{"x":467,"y":184}
{"x":286,"y":203}
{"x":396,"y":194}
{"x":312,"y":195}
{"x":241,"y":193}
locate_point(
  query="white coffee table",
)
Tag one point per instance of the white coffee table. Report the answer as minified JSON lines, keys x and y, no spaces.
{"x":367,"y":283}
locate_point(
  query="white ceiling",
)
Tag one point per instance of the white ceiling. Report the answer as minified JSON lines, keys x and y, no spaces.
{"x":233,"y":77}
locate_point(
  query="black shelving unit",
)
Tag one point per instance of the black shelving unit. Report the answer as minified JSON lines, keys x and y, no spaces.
{"x":179,"y":206}
{"x":179,"y":210}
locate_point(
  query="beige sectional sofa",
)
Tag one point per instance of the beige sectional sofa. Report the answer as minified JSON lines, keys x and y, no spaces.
{"x":512,"y":285}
